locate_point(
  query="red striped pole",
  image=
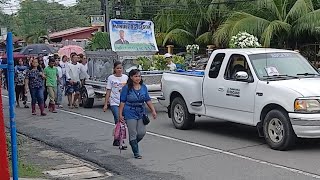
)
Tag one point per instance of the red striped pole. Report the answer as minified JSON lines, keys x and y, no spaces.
{"x":4,"y":169}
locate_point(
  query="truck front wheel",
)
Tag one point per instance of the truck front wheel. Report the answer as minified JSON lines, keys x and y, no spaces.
{"x":180,"y":115}
{"x":278,"y":130}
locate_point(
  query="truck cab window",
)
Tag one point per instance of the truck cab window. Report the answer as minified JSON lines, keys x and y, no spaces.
{"x":216,"y":65}
{"x":236,"y":63}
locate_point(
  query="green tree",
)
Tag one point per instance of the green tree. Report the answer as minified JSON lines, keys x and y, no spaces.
{"x":6,"y":21}
{"x":88,"y":7}
{"x":37,"y":18}
{"x":187,"y":21}
{"x":100,"y":40}
{"x":273,"y":21}
{"x":140,"y":9}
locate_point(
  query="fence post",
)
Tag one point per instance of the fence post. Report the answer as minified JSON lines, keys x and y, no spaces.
{"x":13,"y":133}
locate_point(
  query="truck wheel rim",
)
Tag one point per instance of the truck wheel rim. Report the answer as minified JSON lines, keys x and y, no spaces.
{"x":275,"y":130}
{"x":178,"y":113}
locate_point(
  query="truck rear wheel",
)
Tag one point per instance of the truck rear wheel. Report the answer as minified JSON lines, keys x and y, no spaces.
{"x":86,"y":101}
{"x":278,"y":130}
{"x":180,"y":115}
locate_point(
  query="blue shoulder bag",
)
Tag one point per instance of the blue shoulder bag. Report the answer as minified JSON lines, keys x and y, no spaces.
{"x":145,"y":117}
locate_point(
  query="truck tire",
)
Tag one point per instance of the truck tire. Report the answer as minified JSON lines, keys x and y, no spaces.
{"x":278,"y":131}
{"x":86,"y":101}
{"x":181,"y":118}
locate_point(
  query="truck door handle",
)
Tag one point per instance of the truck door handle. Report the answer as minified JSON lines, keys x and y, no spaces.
{"x":221,"y":89}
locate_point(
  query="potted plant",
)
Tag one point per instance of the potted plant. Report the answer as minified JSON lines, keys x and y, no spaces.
{"x":179,"y":61}
{"x":145,"y":63}
{"x":159,"y":62}
{"x":193,"y":49}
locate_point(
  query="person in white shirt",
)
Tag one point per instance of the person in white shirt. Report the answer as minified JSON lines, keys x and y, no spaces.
{"x":171,"y":66}
{"x":46,"y":60}
{"x":73,"y":74}
{"x":60,"y":83}
{"x":63,"y":64}
{"x":84,"y":63}
{"x":115,"y":83}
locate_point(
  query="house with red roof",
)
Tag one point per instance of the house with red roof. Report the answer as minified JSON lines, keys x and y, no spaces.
{"x":74,"y":36}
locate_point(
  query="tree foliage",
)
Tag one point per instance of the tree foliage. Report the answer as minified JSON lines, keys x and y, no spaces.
{"x":37,"y":18}
{"x":274,"y":21}
{"x":100,"y":40}
{"x":189,"y":21}
{"x":179,"y":22}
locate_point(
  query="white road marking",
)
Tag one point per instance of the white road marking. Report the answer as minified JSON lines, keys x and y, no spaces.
{"x":294,"y":170}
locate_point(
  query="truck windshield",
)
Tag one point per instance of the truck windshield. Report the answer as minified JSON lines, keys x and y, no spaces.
{"x":286,"y":64}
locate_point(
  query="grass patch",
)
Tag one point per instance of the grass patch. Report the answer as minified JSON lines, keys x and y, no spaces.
{"x":25,"y":170}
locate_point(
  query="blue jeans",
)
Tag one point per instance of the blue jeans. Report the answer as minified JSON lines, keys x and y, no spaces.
{"x":37,"y":95}
{"x":115,"y":112}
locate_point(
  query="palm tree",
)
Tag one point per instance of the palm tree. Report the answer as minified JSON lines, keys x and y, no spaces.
{"x":36,"y":37}
{"x":272,"y":21}
{"x":187,"y":21}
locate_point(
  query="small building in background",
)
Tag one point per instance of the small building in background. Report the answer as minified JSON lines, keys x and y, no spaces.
{"x":74,"y":36}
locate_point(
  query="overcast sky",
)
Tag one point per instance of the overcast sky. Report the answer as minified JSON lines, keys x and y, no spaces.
{"x":13,"y":5}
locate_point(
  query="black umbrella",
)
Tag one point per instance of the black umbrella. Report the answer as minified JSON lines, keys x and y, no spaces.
{"x":38,"y":49}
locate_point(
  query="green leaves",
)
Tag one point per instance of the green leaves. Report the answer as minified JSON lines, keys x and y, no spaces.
{"x":100,"y":40}
{"x":179,"y":36}
{"x":277,"y":21}
{"x":145,"y":63}
{"x":159,"y":62}
{"x":39,"y":17}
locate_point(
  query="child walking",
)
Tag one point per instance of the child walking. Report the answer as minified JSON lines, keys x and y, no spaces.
{"x":51,"y":74}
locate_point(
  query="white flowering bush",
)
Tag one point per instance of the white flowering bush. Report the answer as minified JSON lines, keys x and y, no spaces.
{"x":192,"y":48}
{"x":244,"y":40}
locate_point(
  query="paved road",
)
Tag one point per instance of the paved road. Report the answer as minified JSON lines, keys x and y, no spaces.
{"x":212,"y":150}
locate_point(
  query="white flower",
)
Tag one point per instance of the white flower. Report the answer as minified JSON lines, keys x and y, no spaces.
{"x":244,"y":40}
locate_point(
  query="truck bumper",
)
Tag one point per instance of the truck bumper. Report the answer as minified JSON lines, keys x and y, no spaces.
{"x":306,"y":125}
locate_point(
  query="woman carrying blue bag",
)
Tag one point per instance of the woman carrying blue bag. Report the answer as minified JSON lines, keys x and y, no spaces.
{"x":132,"y":109}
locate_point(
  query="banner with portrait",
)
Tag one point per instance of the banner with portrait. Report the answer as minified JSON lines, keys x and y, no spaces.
{"x":132,"y":35}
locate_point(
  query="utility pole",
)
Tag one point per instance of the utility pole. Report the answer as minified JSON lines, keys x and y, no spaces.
{"x":106,"y":26}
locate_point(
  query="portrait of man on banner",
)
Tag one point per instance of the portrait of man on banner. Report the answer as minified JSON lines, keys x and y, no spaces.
{"x":122,"y":39}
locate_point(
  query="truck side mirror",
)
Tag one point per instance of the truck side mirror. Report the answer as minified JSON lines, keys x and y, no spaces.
{"x":241,"y":76}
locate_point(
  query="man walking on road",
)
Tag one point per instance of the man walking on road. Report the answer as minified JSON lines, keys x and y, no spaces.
{"x":74,"y":73}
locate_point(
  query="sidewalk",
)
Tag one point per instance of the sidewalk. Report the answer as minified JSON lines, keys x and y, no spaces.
{"x":46,"y":163}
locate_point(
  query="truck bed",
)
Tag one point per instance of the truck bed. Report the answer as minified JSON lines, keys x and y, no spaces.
{"x":198,"y":73}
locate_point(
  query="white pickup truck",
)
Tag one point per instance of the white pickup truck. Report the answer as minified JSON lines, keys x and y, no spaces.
{"x":278,"y":91}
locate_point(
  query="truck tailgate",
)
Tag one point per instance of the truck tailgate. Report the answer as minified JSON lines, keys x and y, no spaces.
{"x":189,"y":86}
